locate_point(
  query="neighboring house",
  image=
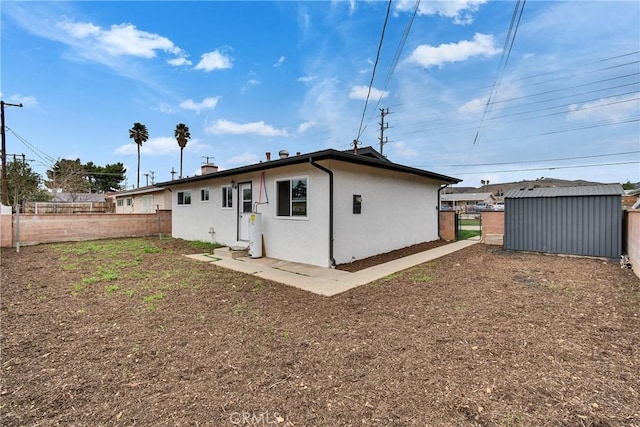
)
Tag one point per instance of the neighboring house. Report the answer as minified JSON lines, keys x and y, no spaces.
{"x":324,"y":208}
{"x":142,"y":200}
{"x":467,"y":201}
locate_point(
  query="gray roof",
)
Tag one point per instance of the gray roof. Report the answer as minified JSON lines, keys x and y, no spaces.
{"x":583,"y":190}
{"x":463,"y":197}
{"x":366,"y":158}
{"x":141,"y":190}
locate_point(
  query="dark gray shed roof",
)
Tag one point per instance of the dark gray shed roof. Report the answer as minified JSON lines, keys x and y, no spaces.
{"x":583,"y":190}
{"x":366,"y":157}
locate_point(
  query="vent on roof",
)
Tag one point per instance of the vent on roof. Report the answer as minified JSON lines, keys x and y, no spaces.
{"x":208,"y":168}
{"x":283,"y":154}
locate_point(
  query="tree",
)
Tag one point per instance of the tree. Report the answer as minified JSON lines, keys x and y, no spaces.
{"x":140,"y":135}
{"x":106,"y":178}
{"x":182,"y":135}
{"x":68,"y":176}
{"x":24,"y":184}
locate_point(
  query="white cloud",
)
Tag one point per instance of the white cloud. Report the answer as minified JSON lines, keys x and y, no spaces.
{"x":260,"y":128}
{"x":279,"y":62}
{"x":609,"y":109}
{"x":178,"y":62}
{"x":244,"y":159}
{"x":306,"y":79}
{"x":119,"y":40}
{"x":360,"y":93}
{"x":205,"y":104}
{"x":249,"y":84}
{"x":159,"y":146}
{"x":165,"y":108}
{"x":25,"y":100}
{"x":481,"y":45}
{"x":305,"y":126}
{"x":460,"y":11}
{"x":476,"y":105}
{"x":401,"y":149}
{"x":215,"y":60}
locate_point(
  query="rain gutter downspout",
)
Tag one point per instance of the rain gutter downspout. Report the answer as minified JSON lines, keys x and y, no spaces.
{"x":330,"y":173}
{"x":442,"y":187}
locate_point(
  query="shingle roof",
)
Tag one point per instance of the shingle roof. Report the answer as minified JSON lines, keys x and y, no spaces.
{"x":328,"y":154}
{"x":583,"y":190}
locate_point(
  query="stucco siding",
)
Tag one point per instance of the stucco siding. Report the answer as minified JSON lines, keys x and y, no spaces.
{"x":304,"y":240}
{"x":398,"y":210}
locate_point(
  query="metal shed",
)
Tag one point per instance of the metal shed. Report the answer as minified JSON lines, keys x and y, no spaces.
{"x":585,"y":220}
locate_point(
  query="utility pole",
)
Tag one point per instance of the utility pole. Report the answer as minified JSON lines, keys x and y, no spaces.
{"x":146,"y":175}
{"x":383,"y":126}
{"x":5,"y":186}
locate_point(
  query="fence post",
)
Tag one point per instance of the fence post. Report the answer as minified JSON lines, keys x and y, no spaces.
{"x":158,"y":218}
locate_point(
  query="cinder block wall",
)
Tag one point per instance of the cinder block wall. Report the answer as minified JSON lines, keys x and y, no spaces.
{"x":633,"y":239}
{"x":493,"y":227}
{"x":448,"y":225}
{"x":36,"y":229}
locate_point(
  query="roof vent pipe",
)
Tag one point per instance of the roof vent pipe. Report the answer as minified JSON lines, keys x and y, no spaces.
{"x":268,"y":153}
{"x":283,"y":154}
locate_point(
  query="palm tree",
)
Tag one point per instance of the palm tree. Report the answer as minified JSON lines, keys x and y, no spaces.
{"x":182,"y":135}
{"x":140,"y":135}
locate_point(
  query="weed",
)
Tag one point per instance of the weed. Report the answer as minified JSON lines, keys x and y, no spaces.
{"x":90,"y":280}
{"x":390,"y":277}
{"x":150,"y":250}
{"x":110,"y":289}
{"x":513,"y":420}
{"x":149,"y":300}
{"x":129,"y":292}
{"x":204,"y":246}
{"x":240,"y":308}
{"x":423,"y":278}
{"x":199,"y":316}
{"x":259,"y":287}
{"x":42,"y":297}
{"x":81,"y":311}
{"x":285,"y":335}
{"x":109,"y":276}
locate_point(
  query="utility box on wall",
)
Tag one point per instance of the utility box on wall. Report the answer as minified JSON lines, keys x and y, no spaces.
{"x":585,"y":220}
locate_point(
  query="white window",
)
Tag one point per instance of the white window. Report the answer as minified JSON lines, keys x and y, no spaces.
{"x":227,"y":197}
{"x":129,"y":202}
{"x":292,"y":197}
{"x":119,"y":202}
{"x":204,"y":194}
{"x":184,"y":197}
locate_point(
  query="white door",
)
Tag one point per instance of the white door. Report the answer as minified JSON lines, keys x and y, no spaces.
{"x":147,"y":204}
{"x":244,"y":210}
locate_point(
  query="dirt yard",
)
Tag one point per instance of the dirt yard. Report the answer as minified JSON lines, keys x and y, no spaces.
{"x":130,"y":332}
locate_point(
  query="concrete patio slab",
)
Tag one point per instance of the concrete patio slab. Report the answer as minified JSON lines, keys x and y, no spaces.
{"x":319,"y":280}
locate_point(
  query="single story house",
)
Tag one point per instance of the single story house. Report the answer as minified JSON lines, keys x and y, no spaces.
{"x":467,"y":201}
{"x":142,"y":200}
{"x":324,"y":208}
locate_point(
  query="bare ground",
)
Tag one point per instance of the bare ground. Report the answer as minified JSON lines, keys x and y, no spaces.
{"x":129,"y":332}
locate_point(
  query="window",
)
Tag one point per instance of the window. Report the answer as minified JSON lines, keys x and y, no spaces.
{"x":204,"y":194}
{"x":129,"y":202}
{"x":227,"y":197}
{"x":357,"y":204}
{"x":292,"y":197}
{"x":184,"y":197}
{"x":119,"y":202}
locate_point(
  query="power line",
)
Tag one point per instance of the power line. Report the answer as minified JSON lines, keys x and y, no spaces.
{"x":559,"y":159}
{"x":550,"y":168}
{"x":373,"y":74}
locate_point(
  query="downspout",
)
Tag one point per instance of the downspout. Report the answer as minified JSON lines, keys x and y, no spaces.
{"x":322,"y":168}
{"x":442,"y":187}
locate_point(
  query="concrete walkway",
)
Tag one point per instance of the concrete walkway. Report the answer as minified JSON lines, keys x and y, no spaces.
{"x":319,"y":280}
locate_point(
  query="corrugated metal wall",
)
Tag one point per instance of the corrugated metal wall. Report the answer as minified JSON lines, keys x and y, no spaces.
{"x":587,"y":225}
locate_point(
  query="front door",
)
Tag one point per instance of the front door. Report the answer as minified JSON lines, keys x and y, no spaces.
{"x":244,"y":210}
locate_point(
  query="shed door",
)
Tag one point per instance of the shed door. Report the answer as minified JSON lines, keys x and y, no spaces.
{"x":244,"y":209}
{"x":147,"y":204}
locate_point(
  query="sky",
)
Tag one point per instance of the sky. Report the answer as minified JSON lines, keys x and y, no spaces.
{"x":497,"y":91}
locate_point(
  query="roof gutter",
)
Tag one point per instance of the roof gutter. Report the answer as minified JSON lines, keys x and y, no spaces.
{"x":330,"y":173}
